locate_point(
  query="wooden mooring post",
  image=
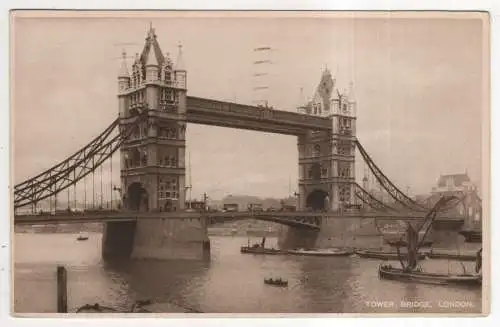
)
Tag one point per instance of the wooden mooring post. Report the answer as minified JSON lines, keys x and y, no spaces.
{"x":62,"y":290}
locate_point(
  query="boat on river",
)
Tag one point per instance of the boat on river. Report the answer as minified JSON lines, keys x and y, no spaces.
{"x":257,"y":249}
{"x":82,"y":237}
{"x":321,"y":252}
{"x":410,"y":271}
{"x":276,"y":282}
{"x":385,"y":255}
{"x":389,"y":272}
{"x":260,"y":248}
{"x":441,"y":254}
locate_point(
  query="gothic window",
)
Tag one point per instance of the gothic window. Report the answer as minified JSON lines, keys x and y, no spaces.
{"x":136,"y":157}
{"x":317,"y":150}
{"x":324,"y":172}
{"x":316,"y":171}
{"x":168,"y":189}
{"x":344,"y":170}
{"x":344,"y":148}
{"x":344,"y":193}
{"x":144,"y":158}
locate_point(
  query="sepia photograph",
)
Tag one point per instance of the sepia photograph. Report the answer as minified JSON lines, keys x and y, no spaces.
{"x":249,"y":162}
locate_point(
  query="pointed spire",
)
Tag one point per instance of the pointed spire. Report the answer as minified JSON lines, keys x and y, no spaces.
{"x":151,"y":58}
{"x":151,"y":32}
{"x":168,"y":60}
{"x":123,"y":68}
{"x":179,"y":65}
{"x":302,"y":101}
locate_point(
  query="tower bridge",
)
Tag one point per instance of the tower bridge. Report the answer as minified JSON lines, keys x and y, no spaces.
{"x":150,"y":134}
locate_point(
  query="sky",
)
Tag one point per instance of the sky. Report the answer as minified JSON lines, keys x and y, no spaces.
{"x":418,"y":82}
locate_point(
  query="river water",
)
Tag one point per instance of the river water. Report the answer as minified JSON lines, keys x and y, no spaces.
{"x":231,"y":283}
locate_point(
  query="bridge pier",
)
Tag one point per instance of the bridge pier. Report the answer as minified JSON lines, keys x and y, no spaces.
{"x":159,"y":239}
{"x":296,"y":238}
{"x":118,"y":240}
{"x":349,"y":232}
{"x":166,"y":239}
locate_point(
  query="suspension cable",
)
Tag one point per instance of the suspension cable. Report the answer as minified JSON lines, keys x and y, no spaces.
{"x":85,"y":193}
{"x":102,"y":195}
{"x":93,"y":185}
{"x":74,"y":189}
{"x":111,"y":181}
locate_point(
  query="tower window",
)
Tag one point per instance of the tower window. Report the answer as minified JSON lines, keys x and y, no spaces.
{"x":317,"y":150}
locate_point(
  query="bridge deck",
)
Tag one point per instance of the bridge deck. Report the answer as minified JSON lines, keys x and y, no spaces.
{"x":280,"y":217}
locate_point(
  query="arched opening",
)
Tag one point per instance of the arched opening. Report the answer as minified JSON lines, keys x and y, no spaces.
{"x":318,"y":200}
{"x":137,"y":198}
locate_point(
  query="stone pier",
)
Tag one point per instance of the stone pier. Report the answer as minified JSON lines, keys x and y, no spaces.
{"x":341,"y":233}
{"x":156,"y":239}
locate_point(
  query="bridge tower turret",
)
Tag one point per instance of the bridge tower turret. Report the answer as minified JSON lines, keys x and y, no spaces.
{"x":123,"y":85}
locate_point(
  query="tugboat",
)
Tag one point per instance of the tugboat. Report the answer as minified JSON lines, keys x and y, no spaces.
{"x":276,"y":282}
{"x":411,"y":272}
{"x":259,"y":248}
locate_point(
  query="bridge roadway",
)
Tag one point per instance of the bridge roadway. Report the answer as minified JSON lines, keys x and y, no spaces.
{"x":295,"y":218}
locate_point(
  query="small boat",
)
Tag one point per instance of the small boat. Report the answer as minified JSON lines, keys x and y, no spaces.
{"x":389,"y":272}
{"x":321,"y":252}
{"x":399,"y":243}
{"x":276,"y":282}
{"x":436,"y":254}
{"x":383,"y":255}
{"x":82,"y":237}
{"x":259,"y":250}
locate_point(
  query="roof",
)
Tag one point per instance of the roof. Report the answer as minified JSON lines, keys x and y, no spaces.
{"x":123,"y":67}
{"x":179,"y":65}
{"x":151,"y":41}
{"x":325,"y":88}
{"x":456,"y":179}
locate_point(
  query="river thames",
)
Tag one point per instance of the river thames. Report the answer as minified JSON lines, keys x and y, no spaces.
{"x":231,"y":283}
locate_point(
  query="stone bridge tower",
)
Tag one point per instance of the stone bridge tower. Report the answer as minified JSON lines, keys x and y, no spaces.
{"x":326,"y":161}
{"x":326,"y":168}
{"x":153,"y":161}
